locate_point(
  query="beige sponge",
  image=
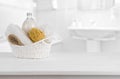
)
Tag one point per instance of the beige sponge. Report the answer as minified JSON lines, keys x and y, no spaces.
{"x":36,"y":34}
{"x":14,"y":40}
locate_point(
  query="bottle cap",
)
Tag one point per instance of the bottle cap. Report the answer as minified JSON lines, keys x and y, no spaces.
{"x":29,"y":14}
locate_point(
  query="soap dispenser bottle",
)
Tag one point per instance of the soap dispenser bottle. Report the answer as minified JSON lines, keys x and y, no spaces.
{"x":28,"y":23}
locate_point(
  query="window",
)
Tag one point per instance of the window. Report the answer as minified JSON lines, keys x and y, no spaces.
{"x":95,"y":4}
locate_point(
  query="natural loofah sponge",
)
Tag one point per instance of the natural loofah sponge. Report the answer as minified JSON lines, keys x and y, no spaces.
{"x":36,"y":34}
{"x":14,"y":40}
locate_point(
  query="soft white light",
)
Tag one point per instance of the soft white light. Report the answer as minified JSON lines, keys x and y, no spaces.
{"x":54,"y":3}
{"x":25,"y":4}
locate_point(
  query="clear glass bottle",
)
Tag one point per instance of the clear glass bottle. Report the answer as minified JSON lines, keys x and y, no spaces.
{"x":28,"y":23}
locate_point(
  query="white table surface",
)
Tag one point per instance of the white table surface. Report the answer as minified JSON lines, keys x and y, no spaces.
{"x":61,"y":63}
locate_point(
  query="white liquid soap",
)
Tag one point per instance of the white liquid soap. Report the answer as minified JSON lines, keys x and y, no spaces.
{"x":28,"y":23}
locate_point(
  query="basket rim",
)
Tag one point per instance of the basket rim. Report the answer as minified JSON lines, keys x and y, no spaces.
{"x":43,"y":40}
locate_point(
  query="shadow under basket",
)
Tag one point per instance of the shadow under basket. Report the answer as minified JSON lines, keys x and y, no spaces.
{"x":39,"y":49}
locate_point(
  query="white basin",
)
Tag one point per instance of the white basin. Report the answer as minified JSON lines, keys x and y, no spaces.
{"x":94,"y":36}
{"x":95,"y":33}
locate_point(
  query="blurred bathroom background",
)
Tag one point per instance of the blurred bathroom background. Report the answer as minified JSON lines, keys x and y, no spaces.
{"x":57,"y":16}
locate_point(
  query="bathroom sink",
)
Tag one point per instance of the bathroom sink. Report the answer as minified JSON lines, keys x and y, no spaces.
{"x":93,"y":36}
{"x":95,"y":33}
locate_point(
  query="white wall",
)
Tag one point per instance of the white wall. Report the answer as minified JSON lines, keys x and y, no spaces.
{"x":13,"y":11}
{"x":58,"y":21}
{"x":117,"y":1}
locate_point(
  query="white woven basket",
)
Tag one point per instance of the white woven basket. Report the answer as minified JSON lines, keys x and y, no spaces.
{"x":39,"y":49}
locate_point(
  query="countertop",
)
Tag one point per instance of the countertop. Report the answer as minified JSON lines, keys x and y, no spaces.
{"x":61,"y":63}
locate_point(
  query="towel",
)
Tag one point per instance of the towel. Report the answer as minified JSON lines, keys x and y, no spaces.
{"x":15,"y":29}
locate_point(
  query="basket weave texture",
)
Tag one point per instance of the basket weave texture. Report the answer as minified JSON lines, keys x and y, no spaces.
{"x":39,"y":49}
